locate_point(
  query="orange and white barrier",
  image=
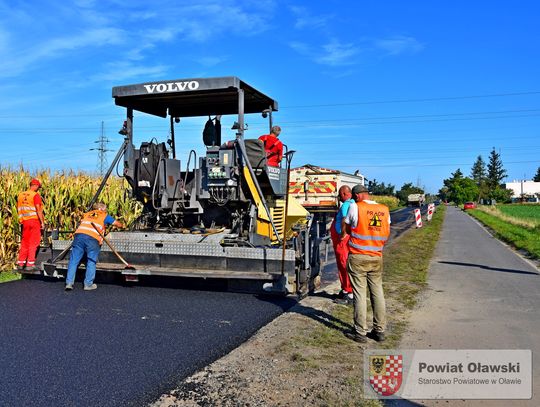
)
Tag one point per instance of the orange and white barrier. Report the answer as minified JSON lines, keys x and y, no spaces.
{"x":418,"y":217}
{"x":430,"y":209}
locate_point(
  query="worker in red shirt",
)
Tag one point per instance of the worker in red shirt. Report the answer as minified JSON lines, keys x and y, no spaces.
{"x":30,"y":211}
{"x":273,"y":146}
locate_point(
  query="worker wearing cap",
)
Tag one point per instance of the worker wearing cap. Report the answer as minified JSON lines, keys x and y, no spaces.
{"x":368,"y":224}
{"x":340,"y":241}
{"x":30,"y":212}
{"x":273,"y":146}
{"x":88,"y":239}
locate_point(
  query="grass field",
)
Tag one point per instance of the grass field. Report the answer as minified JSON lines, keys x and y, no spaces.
{"x":518,"y":225}
{"x":525,"y":212}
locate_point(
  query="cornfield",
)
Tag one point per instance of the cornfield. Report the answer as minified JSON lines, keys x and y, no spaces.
{"x":391,"y":201}
{"x":66,"y":196}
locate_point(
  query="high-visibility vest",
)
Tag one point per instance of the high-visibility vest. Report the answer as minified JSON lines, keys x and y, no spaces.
{"x":26,"y":208}
{"x":372,"y":230}
{"x":97,"y":218}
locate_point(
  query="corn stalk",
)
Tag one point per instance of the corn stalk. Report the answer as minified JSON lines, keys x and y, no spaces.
{"x":66,"y":195}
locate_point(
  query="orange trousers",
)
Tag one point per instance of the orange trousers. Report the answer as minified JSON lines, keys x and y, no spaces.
{"x":31,"y":236}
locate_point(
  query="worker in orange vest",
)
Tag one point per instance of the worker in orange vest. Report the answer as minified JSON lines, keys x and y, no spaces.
{"x":273,"y":146}
{"x":88,"y":241}
{"x":368,"y":224}
{"x":30,"y":212}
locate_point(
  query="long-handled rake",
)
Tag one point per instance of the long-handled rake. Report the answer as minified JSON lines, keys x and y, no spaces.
{"x":127,"y":265}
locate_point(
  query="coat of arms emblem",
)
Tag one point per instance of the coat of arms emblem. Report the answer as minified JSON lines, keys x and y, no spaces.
{"x":385,"y":373}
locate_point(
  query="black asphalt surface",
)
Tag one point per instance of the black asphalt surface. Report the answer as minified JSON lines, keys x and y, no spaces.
{"x":117,"y":345}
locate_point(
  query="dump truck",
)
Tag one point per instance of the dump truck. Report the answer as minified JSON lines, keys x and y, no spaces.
{"x":416,"y":199}
{"x":316,"y":188}
{"x":226,"y":215}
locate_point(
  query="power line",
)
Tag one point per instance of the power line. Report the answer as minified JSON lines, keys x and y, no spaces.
{"x":501,"y":114}
{"x":353,"y":103}
{"x":416,"y":100}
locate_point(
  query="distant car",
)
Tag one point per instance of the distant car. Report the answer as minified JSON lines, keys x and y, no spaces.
{"x":469,"y":205}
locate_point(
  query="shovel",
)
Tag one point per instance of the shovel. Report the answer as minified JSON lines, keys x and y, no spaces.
{"x":128,"y":266}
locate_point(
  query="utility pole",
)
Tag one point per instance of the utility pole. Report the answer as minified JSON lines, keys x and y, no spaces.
{"x":102,"y":149}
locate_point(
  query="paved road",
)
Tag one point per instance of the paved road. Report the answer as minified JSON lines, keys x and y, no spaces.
{"x":481,"y":296}
{"x":120,"y":346}
{"x":116,"y":346}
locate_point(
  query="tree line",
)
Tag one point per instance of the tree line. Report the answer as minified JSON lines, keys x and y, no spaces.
{"x":485,"y":183}
{"x":376,"y":188}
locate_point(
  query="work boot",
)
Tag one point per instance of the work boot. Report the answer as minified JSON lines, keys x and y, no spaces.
{"x":376,"y":336}
{"x":20,"y":268}
{"x":355,"y":336}
{"x":345,"y":299}
{"x":90,"y":287}
{"x":68,"y":287}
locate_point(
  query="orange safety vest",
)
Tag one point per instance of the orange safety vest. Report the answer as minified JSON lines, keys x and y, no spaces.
{"x":26,"y":208}
{"x":372,"y":230}
{"x":93,"y":217}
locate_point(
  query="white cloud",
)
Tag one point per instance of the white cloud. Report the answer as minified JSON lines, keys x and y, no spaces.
{"x":304,"y":19}
{"x":122,"y":71}
{"x":399,"y":45}
{"x":332,"y":54}
{"x":338,"y":54}
{"x":92,"y":38}
{"x":211,"y":61}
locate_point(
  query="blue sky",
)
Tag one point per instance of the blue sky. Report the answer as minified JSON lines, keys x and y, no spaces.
{"x":402,"y":91}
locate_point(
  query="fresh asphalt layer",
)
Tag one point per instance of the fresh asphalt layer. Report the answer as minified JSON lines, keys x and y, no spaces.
{"x":117,"y":345}
{"x":481,"y":295}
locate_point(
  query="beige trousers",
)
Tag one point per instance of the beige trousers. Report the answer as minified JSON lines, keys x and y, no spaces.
{"x":366,"y":272}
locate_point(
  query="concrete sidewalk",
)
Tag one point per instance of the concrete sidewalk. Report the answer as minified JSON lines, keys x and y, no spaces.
{"x":481,"y":295}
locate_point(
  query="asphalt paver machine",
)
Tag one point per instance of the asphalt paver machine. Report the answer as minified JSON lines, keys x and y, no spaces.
{"x":225,"y":215}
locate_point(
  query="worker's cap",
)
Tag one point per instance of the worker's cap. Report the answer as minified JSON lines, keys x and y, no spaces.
{"x":358,"y":189}
{"x":35,"y":181}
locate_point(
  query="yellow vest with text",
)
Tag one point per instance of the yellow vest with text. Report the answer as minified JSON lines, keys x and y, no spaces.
{"x":372,"y":231}
{"x":97,"y":218}
{"x":26,"y":208}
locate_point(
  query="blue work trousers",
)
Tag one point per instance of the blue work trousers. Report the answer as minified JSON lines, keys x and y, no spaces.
{"x":83,"y":244}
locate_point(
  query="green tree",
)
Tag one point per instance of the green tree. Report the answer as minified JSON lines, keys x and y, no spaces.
{"x":478,"y":170}
{"x":459,"y":189}
{"x":496,"y":173}
{"x":478,"y":174}
{"x":407,"y":189}
{"x":443,"y":194}
{"x":537,"y":176}
{"x":376,"y":188}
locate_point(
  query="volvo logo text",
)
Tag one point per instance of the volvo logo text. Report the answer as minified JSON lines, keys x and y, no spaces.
{"x":171,"y":87}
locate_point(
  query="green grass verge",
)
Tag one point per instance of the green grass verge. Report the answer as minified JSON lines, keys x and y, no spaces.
{"x":6,"y":276}
{"x":518,"y":236}
{"x":406,"y":263}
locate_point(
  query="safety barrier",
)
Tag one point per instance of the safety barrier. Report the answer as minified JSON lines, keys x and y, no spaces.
{"x":418,"y":217}
{"x":430,"y":209}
